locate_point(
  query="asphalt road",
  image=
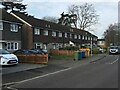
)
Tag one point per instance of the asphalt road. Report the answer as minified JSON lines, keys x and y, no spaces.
{"x":99,"y":74}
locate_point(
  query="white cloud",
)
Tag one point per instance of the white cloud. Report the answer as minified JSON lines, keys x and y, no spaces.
{"x":72,"y":0}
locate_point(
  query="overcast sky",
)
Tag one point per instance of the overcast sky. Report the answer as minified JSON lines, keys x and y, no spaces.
{"x":106,"y":9}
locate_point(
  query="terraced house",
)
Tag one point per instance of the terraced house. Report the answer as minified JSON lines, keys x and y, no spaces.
{"x":32,"y":32}
{"x":10,"y":31}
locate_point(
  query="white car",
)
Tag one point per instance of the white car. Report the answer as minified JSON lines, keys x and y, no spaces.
{"x":113,"y":50}
{"x":7,"y":58}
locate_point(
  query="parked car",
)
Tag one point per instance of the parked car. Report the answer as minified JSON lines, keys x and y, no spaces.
{"x":26,"y":52}
{"x":42,"y":51}
{"x":32,"y":51}
{"x":31,"y":56}
{"x":7,"y":58}
{"x":114,"y":50}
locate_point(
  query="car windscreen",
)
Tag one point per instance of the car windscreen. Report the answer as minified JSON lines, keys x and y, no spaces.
{"x":2,"y":51}
{"x":113,"y":47}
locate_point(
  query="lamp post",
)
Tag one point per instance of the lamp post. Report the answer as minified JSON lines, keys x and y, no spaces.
{"x":91,"y":44}
{"x":91,"y":41}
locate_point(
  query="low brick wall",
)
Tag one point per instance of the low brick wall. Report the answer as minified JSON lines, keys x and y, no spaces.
{"x":61,"y":52}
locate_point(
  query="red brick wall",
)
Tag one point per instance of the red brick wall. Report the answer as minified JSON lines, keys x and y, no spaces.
{"x":27,"y":37}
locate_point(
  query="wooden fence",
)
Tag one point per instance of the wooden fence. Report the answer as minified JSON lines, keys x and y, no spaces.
{"x":61,"y":52}
{"x":33,"y":58}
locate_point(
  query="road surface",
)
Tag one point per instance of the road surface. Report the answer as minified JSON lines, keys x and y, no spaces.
{"x":99,"y":74}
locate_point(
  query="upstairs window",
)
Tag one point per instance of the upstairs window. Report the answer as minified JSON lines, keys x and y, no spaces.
{"x":45,"y":32}
{"x":60,"y":34}
{"x":75,"y":36}
{"x":86,"y":38}
{"x":91,"y":38}
{"x":79,"y":37}
{"x":65,"y":35}
{"x":1,"y":25}
{"x":70,"y":35}
{"x":82,"y":37}
{"x":37,"y":31}
{"x":14,"y":27}
{"x":54,"y":34}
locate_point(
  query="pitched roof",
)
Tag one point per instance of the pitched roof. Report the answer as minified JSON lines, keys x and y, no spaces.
{"x":35,"y":22}
{"x":4,"y":15}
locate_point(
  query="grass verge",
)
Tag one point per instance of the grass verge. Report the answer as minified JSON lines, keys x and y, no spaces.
{"x":62,"y":57}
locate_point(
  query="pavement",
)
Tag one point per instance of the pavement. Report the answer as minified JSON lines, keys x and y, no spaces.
{"x":72,"y":62}
{"x":20,"y":67}
{"x":67,"y":63}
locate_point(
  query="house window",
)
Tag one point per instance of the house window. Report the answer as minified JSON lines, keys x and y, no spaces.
{"x":47,"y":25}
{"x":8,"y":46}
{"x":12,"y":46}
{"x":60,"y":34}
{"x":38,"y":46}
{"x":65,"y":35}
{"x":45,"y":32}
{"x":54,"y":34}
{"x":82,"y":37}
{"x":44,"y":46}
{"x":91,"y":38}
{"x":37,"y":31}
{"x":86,"y":38}
{"x":75,"y":36}
{"x":1,"y":25}
{"x":14,"y":28}
{"x":79,"y":37}
{"x":15,"y":46}
{"x":60,"y":45}
{"x":54,"y":46}
{"x":70,"y":35}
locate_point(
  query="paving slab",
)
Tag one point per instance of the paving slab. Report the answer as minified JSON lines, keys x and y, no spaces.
{"x":20,"y":67}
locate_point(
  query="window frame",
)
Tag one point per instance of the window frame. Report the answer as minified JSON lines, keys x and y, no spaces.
{"x":37,"y":31}
{"x":14,"y":27}
{"x":71,"y":35}
{"x":45,"y":32}
{"x":12,"y":45}
{"x":54,"y":33}
{"x":60,"y":34}
{"x":37,"y":45}
{"x":79,"y":36}
{"x":66,"y":35}
{"x":75,"y":36}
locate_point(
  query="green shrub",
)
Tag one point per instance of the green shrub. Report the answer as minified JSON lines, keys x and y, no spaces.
{"x":62,"y":57}
{"x":95,"y":51}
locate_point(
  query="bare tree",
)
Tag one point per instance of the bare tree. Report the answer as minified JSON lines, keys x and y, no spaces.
{"x":86,"y":15}
{"x":51,"y":19}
